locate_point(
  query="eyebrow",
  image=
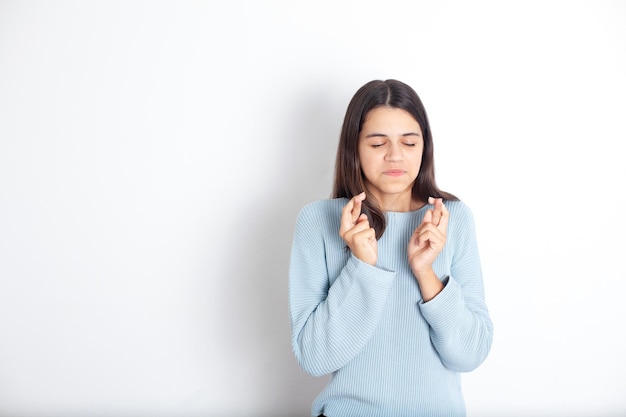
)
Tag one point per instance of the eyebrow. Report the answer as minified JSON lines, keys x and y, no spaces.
{"x":376,"y":135}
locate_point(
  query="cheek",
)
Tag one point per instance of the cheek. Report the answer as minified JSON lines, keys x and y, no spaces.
{"x":368,"y":163}
{"x":418,"y":158}
{"x":363,"y":157}
{"x":417,"y":163}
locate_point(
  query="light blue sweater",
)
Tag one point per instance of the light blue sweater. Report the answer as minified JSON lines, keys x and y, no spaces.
{"x":390,"y":353}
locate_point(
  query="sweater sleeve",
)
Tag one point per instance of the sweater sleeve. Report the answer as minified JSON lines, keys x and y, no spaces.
{"x":330,"y":324}
{"x":460,"y":327}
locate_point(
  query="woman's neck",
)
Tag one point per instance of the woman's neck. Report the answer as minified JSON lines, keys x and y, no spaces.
{"x":399,"y":203}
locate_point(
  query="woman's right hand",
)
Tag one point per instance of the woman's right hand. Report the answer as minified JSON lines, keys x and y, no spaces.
{"x":355,"y":230}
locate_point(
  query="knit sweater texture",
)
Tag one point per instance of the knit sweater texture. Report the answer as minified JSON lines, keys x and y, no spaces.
{"x":390,"y":353}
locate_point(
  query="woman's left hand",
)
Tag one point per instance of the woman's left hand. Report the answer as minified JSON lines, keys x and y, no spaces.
{"x":428,"y":238}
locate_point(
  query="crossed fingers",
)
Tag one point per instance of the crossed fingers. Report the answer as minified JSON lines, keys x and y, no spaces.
{"x":436,"y":211}
{"x":350,"y":213}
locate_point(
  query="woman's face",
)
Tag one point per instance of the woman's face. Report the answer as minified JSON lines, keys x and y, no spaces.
{"x":390,"y":151}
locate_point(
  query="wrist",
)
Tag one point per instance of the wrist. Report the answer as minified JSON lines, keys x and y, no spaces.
{"x":423,"y":272}
{"x":429,"y":283}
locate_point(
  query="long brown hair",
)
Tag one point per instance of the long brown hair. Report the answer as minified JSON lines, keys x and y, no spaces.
{"x":349,"y":178}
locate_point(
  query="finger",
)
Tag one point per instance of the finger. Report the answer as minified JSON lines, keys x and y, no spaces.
{"x":346,"y":222}
{"x":430,"y":237}
{"x":356,"y":210}
{"x":361,"y":225}
{"x":437,"y":211}
{"x":415,"y":236}
{"x":418,"y":238}
{"x":367,"y":234}
{"x":422,"y":240}
{"x":445,"y":217}
{"x":348,"y":216}
{"x":361,"y":244}
{"x":428,"y":217}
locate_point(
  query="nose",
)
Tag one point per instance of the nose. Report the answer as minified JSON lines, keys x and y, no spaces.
{"x":394,"y":153}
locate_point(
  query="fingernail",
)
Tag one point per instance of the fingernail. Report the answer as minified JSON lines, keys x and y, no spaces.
{"x":431,"y":200}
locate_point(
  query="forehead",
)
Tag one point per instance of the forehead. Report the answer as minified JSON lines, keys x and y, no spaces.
{"x":390,"y":118}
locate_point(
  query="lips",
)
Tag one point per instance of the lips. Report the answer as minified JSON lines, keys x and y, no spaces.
{"x":394,"y":172}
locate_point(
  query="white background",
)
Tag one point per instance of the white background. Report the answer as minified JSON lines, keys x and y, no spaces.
{"x":154,"y":156}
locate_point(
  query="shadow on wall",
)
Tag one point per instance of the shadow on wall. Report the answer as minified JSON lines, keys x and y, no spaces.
{"x":307,"y":149}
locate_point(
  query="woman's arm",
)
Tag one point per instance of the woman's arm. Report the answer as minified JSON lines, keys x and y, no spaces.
{"x":461,"y":329}
{"x":331,"y":324}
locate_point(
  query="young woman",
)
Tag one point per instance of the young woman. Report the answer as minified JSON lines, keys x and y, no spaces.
{"x":385,"y":283}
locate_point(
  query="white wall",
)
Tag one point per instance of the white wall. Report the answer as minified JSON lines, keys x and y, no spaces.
{"x":154,"y":155}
